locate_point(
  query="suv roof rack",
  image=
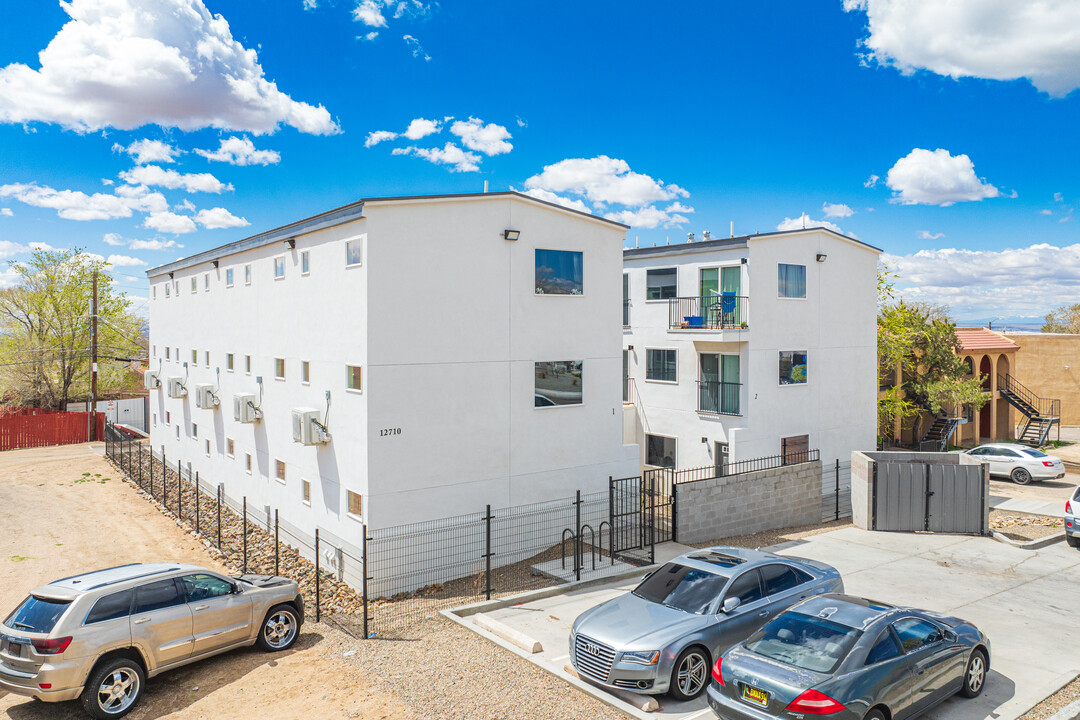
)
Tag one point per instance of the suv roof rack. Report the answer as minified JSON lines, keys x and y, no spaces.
{"x":72,"y":577}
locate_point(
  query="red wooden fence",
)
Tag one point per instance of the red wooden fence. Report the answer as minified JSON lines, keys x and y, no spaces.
{"x":36,"y":427}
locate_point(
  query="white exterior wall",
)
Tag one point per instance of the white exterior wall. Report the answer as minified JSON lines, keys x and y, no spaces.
{"x":443,"y":319}
{"x":835,"y":325}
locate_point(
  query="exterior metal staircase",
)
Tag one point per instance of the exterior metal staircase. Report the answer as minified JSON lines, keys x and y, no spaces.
{"x":1041,"y":414}
{"x":936,"y":438}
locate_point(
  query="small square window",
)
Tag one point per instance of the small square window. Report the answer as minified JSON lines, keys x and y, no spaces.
{"x":354,"y":251}
{"x":306,"y":491}
{"x":661,"y":283}
{"x":247,"y":274}
{"x":248,"y":462}
{"x":247,"y":364}
{"x":305,"y":371}
{"x":229,"y":277}
{"x":279,"y":368}
{"x":305,"y":262}
{"x":353,"y":377}
{"x":194,"y":284}
{"x":559,"y":272}
{"x":194,"y":430}
{"x":279,"y":267}
{"x":356,"y":504}
{"x":229,"y":362}
{"x":279,"y":470}
{"x":558,"y":383}
{"x":792,"y":367}
{"x":230,"y":447}
{"x":661,"y":365}
{"x":790,"y":281}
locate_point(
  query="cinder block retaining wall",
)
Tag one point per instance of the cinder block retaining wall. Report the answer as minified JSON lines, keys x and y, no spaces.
{"x":720,"y":507}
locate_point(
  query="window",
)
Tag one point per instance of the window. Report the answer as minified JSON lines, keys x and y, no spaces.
{"x":781,"y":578}
{"x":353,"y":377}
{"x":156,"y":596}
{"x":194,"y":357}
{"x":248,"y":463}
{"x":206,"y":281}
{"x":354,"y":251}
{"x":206,"y":357}
{"x":681,"y":587}
{"x":177,"y":288}
{"x":279,"y":267}
{"x":229,"y":277}
{"x":154,"y":416}
{"x":205,"y":587}
{"x":177,"y":432}
{"x":808,"y":643}
{"x":167,"y":351}
{"x":559,"y":272}
{"x":154,"y":351}
{"x":661,"y":365}
{"x":247,"y":364}
{"x":37,"y":614}
{"x":661,"y":284}
{"x":305,"y":371}
{"x":356,"y":505}
{"x":279,"y":368}
{"x":178,"y":354}
{"x":229,"y":361}
{"x":746,"y":587}
{"x":792,"y":367}
{"x":194,"y":284}
{"x":626,"y":300}
{"x":305,"y":262}
{"x":168,"y":417}
{"x":790,"y":281}
{"x":154,"y":292}
{"x":557,"y":383}
{"x":194,"y":430}
{"x":279,"y":470}
{"x":247,"y":274}
{"x":208,"y":448}
{"x":305,"y":490}
{"x":660,"y":451}
{"x":167,"y":289}
{"x":915,"y":633}
{"x":884,"y":649}
{"x":110,"y":607}
{"x":230,"y":447}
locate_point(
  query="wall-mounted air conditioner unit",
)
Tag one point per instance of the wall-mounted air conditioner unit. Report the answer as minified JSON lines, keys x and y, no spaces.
{"x":205,"y":397}
{"x":307,"y":427}
{"x":176,"y":387}
{"x":244,"y":409}
{"x":151,"y":380}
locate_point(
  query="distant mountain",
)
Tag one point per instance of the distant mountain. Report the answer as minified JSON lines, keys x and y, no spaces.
{"x":1004,"y":324}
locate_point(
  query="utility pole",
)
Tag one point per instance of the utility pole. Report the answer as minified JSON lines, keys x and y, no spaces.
{"x":93,"y":359}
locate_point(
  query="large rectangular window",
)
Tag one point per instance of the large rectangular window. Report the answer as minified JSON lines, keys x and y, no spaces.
{"x":661,"y":365}
{"x":660,"y":451}
{"x":661,"y":283}
{"x":792,"y":367}
{"x":559,"y":272}
{"x":790,"y":281}
{"x":557,"y":383}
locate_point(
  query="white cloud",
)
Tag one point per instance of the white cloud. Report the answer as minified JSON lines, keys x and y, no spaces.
{"x":369,"y":13}
{"x":871,"y":181}
{"x":7,"y":212}
{"x":169,"y":222}
{"x":420,"y":128}
{"x":522,"y":123}
{"x":490,"y":139}
{"x":993,"y":39}
{"x":129,"y":63}
{"x":805,"y":222}
{"x":8,"y":248}
{"x":1058,"y":197}
{"x":43,"y":246}
{"x":148,"y":151}
{"x":450,"y":154}
{"x":1019,"y":282}
{"x":370,"y":36}
{"x":935,"y":177}
{"x":219,"y":217}
{"x":551,"y":197}
{"x":125,"y":261}
{"x":651,"y":216}
{"x":75,"y":205}
{"x":927,"y":235}
{"x":417,"y":49}
{"x":311,"y":4}
{"x":241,"y":151}
{"x":114,"y":239}
{"x":837,"y":210}
{"x":1046,"y":212}
{"x":171,"y":179}
{"x":154,"y":244}
{"x":378,"y":136}
{"x":186,"y":205}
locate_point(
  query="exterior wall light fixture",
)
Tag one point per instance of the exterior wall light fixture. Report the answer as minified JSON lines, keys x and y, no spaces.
{"x":511,"y":234}
{"x":821,"y":257}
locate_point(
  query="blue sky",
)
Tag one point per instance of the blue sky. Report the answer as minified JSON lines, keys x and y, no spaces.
{"x":940,"y":132}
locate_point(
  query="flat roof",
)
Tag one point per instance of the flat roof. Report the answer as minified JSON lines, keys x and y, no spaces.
{"x":344,"y":214}
{"x":740,"y":241}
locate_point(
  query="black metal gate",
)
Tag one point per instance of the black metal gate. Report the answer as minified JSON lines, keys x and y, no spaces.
{"x":643,"y":513}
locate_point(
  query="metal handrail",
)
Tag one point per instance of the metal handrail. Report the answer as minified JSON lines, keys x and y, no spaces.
{"x":714,"y":312}
{"x":719,"y":398}
{"x":1044,"y":407}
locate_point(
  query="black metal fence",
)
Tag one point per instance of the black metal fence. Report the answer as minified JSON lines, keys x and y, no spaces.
{"x":835,"y":490}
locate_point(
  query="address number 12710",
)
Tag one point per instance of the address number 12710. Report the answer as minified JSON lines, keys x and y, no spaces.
{"x":386,"y":432}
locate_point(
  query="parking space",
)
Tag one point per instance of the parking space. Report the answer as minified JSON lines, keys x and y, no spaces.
{"x":1024,"y":600}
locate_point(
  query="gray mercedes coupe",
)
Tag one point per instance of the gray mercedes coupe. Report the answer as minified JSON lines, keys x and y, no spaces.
{"x":664,"y":635}
{"x":848,"y":658}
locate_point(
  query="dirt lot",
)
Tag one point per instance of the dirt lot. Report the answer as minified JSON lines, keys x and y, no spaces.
{"x":59,"y":521}
{"x":1044,"y":490}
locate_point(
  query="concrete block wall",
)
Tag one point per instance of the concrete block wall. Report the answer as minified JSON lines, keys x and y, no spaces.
{"x":720,"y":507}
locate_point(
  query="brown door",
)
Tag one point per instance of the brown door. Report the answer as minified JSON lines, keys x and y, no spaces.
{"x":795,"y":449}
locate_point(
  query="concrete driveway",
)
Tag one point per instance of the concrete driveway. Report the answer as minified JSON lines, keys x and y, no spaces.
{"x":1025,"y":601}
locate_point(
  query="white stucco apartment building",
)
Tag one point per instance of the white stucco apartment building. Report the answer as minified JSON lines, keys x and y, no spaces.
{"x":450,"y":352}
{"x":749,"y":347}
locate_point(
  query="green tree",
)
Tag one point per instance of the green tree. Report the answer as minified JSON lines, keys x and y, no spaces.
{"x":45,"y":331}
{"x":1066,"y":319}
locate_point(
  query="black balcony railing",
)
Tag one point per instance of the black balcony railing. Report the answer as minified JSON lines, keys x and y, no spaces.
{"x":718,"y":398}
{"x":718,"y":312}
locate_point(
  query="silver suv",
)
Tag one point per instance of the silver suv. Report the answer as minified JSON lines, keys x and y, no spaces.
{"x":97,"y":637}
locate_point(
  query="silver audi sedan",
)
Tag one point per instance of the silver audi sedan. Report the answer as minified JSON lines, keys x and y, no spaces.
{"x":663,"y":636}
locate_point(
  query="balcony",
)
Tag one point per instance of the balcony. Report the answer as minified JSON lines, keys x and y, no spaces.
{"x":711,"y":314}
{"x":718,"y":398}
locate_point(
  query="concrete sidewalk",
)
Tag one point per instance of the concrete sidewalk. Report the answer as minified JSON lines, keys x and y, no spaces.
{"x":1023,"y":505}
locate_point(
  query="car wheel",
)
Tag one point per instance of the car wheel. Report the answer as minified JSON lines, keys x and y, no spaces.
{"x":113,"y":689}
{"x":874,"y":714}
{"x":280,"y":629}
{"x":690,"y":674}
{"x":975,"y":674}
{"x":1072,"y":540}
{"x":1021,"y":476}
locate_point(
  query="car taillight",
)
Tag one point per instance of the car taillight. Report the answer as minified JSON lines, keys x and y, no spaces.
{"x":813,"y":702}
{"x":1068,"y":507}
{"x":717,"y":671}
{"x":51,"y":646}
{"x":1047,"y":463}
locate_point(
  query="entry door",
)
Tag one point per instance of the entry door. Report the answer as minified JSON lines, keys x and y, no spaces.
{"x":710,"y":289}
{"x":731,"y":284}
{"x":626,"y":376}
{"x":709,"y":392}
{"x":721,"y":455}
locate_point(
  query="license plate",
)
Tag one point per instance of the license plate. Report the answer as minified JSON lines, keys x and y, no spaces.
{"x":14,"y":649}
{"x":757,"y":697}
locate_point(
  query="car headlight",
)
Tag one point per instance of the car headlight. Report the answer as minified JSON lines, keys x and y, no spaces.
{"x":650,"y":657}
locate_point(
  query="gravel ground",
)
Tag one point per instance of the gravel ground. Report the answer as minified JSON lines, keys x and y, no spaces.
{"x":1068,"y":694}
{"x":774,"y":537}
{"x":1022,"y":526}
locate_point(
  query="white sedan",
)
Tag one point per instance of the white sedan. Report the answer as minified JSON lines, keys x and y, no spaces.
{"x":1019,"y":462}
